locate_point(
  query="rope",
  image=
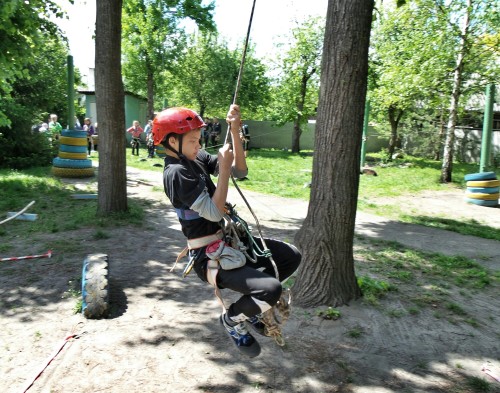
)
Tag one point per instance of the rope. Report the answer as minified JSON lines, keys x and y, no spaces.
{"x":238,"y":85}
{"x":72,"y":335}
{"x":18,"y":213}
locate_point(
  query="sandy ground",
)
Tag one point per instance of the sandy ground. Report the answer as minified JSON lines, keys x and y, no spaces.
{"x":163,"y":334}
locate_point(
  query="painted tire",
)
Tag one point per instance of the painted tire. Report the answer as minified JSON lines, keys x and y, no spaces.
{"x":66,"y":163}
{"x":485,"y":183}
{"x":95,"y":286}
{"x":73,"y":149}
{"x":160,"y":151}
{"x":481,"y":176}
{"x":66,"y":140}
{"x":73,"y":156}
{"x":484,"y":197}
{"x":74,"y":133}
{"x":481,"y":202}
{"x":484,"y":190}
{"x":72,"y":172}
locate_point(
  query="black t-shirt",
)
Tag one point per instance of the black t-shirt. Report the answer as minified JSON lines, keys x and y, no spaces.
{"x":183,"y":182}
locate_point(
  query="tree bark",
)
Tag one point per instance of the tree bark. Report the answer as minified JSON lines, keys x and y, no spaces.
{"x":394,"y":115}
{"x":112,"y":187}
{"x":326,"y":276}
{"x":150,"y":86}
{"x":446,"y":168}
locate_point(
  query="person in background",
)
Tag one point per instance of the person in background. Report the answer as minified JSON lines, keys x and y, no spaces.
{"x":78,"y":126}
{"x":148,"y":129}
{"x":245,"y":138}
{"x":208,"y":132}
{"x":136,"y":131}
{"x":89,"y":128}
{"x":54,"y":127}
{"x":215,"y":133}
{"x":151,"y":145}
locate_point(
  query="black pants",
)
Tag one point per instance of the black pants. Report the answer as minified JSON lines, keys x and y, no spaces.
{"x":255,"y":281}
{"x":135,"y":145}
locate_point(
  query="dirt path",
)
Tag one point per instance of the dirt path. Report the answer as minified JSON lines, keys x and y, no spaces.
{"x":163,"y":334}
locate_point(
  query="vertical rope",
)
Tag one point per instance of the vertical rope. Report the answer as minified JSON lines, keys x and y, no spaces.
{"x":240,"y":72}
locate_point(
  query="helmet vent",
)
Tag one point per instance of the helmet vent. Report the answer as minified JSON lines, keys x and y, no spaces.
{"x":189,"y":118}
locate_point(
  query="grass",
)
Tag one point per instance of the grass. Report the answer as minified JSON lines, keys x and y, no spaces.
{"x":438,"y":282}
{"x":57,"y":211}
{"x":291,"y":174}
{"x":289,"y":177}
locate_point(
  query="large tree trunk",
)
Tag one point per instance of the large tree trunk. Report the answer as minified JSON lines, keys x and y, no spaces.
{"x":326,"y":276}
{"x":112,"y":188}
{"x":446,"y":168}
{"x":394,"y":115}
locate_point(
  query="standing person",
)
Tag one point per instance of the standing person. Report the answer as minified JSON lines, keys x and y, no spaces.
{"x":54,"y":127}
{"x":151,"y":145}
{"x":245,"y":138}
{"x":215,"y":133}
{"x":208,"y":132}
{"x":136,"y":131}
{"x":78,"y":126}
{"x":148,"y":129}
{"x":89,"y":128}
{"x":201,"y":205}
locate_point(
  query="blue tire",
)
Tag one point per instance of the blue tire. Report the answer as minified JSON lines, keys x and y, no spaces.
{"x":484,"y":190}
{"x":74,"y":133}
{"x":481,"y":176}
{"x":482,"y":202}
{"x":73,"y":149}
{"x":67,"y":163}
{"x":95,"y":286}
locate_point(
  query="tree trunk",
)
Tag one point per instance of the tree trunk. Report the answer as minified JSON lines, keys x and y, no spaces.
{"x":394,"y":115}
{"x":326,"y":276}
{"x":112,"y":188}
{"x":446,"y":168}
{"x":297,"y":131}
{"x":151,"y":92}
{"x":439,"y":143}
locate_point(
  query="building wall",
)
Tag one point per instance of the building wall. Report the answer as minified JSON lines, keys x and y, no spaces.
{"x":135,"y":109}
{"x":264,"y":134}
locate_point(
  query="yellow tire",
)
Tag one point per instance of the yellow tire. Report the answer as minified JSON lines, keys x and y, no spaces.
{"x":483,"y":183}
{"x":72,"y":156}
{"x":66,"y":140}
{"x":72,"y":172}
{"x":482,"y":196}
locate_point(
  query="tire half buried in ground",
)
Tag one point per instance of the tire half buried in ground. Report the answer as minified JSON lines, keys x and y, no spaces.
{"x":95,"y":286}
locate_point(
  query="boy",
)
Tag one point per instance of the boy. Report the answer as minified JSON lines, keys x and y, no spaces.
{"x":200,"y":206}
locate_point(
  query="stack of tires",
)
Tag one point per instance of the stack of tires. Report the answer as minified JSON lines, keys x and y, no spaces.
{"x":483,"y":189}
{"x":160,"y":151}
{"x":72,"y":158}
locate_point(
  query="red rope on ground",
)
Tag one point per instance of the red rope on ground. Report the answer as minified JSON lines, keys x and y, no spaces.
{"x":50,"y":358}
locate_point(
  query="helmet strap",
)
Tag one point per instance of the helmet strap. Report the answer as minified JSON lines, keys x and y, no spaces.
{"x":179,"y":153}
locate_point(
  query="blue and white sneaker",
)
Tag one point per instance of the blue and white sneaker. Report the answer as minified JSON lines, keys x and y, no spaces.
{"x":256,"y":324}
{"x":245,"y":342}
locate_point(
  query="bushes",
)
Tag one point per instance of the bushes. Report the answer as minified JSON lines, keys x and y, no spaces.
{"x":22,"y":148}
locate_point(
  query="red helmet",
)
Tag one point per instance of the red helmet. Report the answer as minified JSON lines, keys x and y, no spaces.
{"x":175,"y":120}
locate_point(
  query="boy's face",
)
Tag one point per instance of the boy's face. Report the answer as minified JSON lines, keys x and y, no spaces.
{"x":190,"y":144}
